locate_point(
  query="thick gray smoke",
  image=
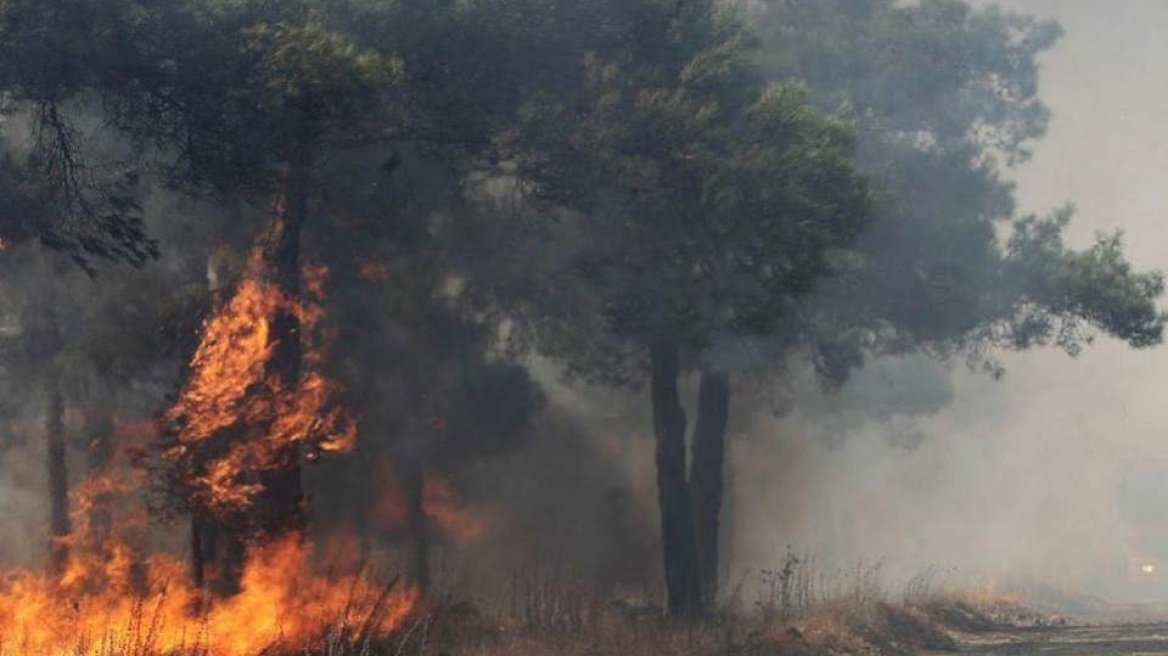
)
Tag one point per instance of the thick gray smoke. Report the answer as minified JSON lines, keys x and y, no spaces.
{"x":1059,"y":472}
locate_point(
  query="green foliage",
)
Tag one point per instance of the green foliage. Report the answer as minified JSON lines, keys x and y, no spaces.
{"x":707,"y":201}
{"x":234,"y":90}
{"x":946,"y":98}
{"x":1062,"y":289}
{"x":318,"y":78}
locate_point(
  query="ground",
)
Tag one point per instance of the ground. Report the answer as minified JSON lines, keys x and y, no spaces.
{"x":1101,"y":640}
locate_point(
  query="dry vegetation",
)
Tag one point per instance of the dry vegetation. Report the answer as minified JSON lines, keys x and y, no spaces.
{"x":797,"y":611}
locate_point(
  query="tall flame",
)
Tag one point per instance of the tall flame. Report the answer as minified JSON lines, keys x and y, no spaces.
{"x":232,"y":391}
{"x":236,"y":418}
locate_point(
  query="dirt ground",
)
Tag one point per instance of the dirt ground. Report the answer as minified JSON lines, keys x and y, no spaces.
{"x":1102,"y":640}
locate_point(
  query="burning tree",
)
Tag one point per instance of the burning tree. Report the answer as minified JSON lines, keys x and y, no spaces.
{"x":285,"y":87}
{"x":257,"y":401}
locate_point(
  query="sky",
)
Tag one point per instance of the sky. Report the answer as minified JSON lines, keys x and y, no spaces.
{"x":1024,"y":477}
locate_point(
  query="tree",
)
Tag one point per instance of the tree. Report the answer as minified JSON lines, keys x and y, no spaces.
{"x":705,"y":203}
{"x":948,"y":100}
{"x":52,"y":55}
{"x":441,"y":396}
{"x":241,"y":100}
{"x":932,"y":271}
{"x":945,"y":98}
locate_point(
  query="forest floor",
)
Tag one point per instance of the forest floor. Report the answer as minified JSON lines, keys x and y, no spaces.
{"x":874,"y":628}
{"x":1101,"y":640}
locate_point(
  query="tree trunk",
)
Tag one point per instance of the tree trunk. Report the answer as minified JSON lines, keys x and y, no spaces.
{"x":414,"y":492}
{"x":673,"y":494}
{"x":726,"y":523}
{"x":279,"y":510}
{"x":58,"y":474}
{"x":705,"y":479}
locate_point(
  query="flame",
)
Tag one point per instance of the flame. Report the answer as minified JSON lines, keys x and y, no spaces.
{"x":372,"y":271}
{"x":440,"y":505}
{"x":113,"y":598}
{"x":232,"y":389}
{"x":239,"y":415}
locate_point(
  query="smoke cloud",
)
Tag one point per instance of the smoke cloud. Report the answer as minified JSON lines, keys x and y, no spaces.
{"x":1054,"y":473}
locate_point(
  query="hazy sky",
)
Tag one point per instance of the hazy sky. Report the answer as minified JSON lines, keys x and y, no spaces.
{"x":1019,"y":476}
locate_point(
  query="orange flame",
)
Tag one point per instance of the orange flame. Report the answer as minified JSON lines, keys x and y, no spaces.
{"x":231,"y":388}
{"x":237,"y":417}
{"x":113,"y":599}
{"x":372,"y":271}
{"x":440,"y":505}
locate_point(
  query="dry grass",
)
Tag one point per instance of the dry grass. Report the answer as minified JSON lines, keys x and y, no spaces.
{"x":799,"y":611}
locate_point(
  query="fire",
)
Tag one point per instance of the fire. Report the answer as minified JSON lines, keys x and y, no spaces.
{"x":235,"y":417}
{"x":251,"y":407}
{"x":440,"y":505}
{"x":113,"y":598}
{"x":372,"y":271}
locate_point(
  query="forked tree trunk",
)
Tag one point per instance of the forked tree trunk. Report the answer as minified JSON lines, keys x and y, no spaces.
{"x":58,"y":474}
{"x":414,"y":492}
{"x":673,"y":494}
{"x":705,"y":479}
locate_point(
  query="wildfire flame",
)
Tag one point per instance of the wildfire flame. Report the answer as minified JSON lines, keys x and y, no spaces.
{"x":112,"y":598}
{"x":232,"y":388}
{"x":244,"y":412}
{"x":440,"y":505}
{"x":235,"y":417}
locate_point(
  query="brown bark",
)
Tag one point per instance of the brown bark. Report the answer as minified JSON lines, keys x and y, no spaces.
{"x":58,"y":475}
{"x":705,"y":479}
{"x":673,"y":494}
{"x":414,"y":491}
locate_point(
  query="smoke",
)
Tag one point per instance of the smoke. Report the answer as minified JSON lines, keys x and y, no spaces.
{"x":1042,"y":476}
{"x":1050,"y":474}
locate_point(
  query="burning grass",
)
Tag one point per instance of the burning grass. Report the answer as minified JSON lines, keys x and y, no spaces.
{"x":112,"y":598}
{"x":125,"y":604}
